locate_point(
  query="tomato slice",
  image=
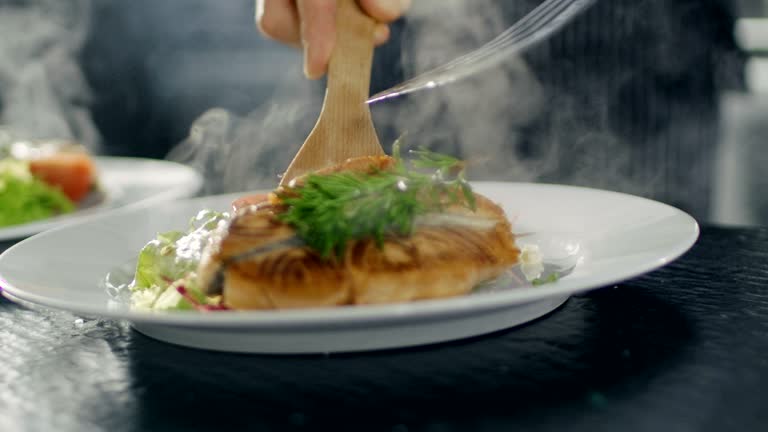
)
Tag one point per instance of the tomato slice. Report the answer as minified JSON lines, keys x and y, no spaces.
{"x":73,"y":173}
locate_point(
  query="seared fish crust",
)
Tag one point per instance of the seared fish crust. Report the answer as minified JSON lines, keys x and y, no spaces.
{"x":257,"y":262}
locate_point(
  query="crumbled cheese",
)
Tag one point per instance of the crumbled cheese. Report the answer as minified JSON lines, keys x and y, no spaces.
{"x":531,"y":262}
{"x":144,"y":300}
{"x":169,"y":299}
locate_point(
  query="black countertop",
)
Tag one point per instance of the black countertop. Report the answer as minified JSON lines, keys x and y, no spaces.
{"x":681,"y":349}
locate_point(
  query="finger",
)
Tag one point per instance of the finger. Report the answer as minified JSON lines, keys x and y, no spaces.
{"x":385,"y":10}
{"x":381,"y":34}
{"x":318,"y":34}
{"x":279,"y":20}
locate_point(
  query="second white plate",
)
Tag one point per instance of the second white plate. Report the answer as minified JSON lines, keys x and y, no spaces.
{"x":124,"y":182}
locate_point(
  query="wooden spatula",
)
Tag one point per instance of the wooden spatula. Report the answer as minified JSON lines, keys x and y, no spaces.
{"x":345,"y":128}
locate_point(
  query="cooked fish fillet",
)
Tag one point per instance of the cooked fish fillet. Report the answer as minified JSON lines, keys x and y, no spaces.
{"x":257,"y":262}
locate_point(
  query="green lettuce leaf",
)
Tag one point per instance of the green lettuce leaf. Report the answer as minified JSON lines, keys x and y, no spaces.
{"x":157,"y":265}
{"x":170,"y":260}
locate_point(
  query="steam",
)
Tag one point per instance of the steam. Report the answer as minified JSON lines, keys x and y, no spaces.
{"x":479,"y":118}
{"x":243,"y":153}
{"x":43,"y":93}
{"x":239,"y":153}
{"x":482,"y":119}
{"x":485,"y":119}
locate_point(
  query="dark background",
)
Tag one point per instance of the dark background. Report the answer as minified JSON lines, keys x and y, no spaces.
{"x":647,"y":72}
{"x":154,"y":67}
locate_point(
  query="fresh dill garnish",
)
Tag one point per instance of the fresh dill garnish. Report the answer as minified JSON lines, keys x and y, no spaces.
{"x":327,"y":211}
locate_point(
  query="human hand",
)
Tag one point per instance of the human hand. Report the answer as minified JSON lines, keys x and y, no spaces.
{"x":311,"y":25}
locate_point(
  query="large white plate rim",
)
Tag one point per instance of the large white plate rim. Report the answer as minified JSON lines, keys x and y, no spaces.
{"x":369,"y":314}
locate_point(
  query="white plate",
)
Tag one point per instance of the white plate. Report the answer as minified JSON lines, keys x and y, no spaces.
{"x":124,"y":182}
{"x":606,"y":237}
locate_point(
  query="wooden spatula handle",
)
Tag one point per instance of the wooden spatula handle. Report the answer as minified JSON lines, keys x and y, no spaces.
{"x":349,"y":71}
{"x":344,"y":129}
